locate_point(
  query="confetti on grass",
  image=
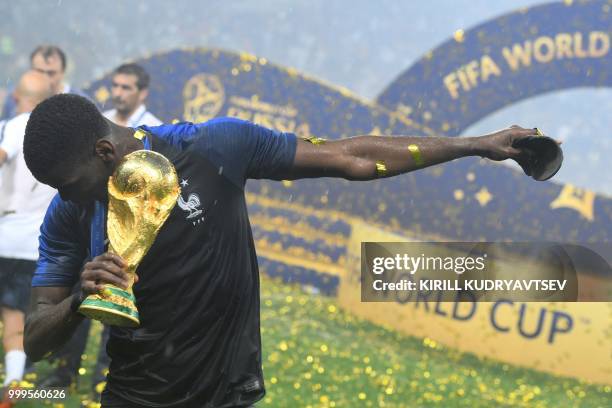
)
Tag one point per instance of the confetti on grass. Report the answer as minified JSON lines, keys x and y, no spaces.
{"x":317,"y":355}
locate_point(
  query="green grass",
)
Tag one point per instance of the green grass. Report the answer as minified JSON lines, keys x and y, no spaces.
{"x":316,"y":355}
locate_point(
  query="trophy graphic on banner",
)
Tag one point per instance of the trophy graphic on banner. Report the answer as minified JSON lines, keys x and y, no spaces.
{"x":141,"y":192}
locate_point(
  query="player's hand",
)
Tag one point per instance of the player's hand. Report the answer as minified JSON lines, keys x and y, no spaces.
{"x":103,"y":269}
{"x":498,"y":146}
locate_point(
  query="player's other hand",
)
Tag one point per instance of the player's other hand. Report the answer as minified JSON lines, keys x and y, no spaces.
{"x":103,"y":269}
{"x":498,"y":145}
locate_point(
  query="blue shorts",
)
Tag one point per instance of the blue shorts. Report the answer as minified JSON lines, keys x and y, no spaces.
{"x":16,"y":283}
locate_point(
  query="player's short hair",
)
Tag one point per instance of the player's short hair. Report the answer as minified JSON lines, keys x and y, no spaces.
{"x":142,"y":76}
{"x":48,"y":51}
{"x":61,"y":132}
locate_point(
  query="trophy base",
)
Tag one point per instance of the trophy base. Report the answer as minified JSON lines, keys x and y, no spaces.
{"x":116,"y":308}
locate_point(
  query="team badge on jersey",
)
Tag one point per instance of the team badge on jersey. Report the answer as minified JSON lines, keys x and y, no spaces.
{"x":191,"y":206}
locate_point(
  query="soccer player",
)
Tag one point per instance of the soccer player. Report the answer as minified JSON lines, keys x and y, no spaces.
{"x":198,"y":290}
{"x":130,"y":88}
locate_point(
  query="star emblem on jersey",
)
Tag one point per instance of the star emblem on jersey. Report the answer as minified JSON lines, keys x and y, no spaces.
{"x":184,"y":182}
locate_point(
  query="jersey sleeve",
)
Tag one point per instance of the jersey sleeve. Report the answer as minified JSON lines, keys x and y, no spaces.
{"x":240,"y":149}
{"x":180,"y":135}
{"x":244,"y":150}
{"x":61,"y":250}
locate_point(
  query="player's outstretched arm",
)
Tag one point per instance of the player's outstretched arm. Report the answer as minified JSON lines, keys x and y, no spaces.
{"x":54,"y":316}
{"x":371,"y":157}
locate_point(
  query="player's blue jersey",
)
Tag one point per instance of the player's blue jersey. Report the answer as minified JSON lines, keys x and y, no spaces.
{"x":198,"y":292}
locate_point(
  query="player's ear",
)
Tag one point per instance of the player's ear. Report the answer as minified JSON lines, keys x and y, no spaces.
{"x":143,"y":95}
{"x":105,"y":150}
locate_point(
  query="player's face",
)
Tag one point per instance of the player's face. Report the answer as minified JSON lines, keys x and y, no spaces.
{"x":86,"y":183}
{"x":52,"y":67}
{"x":125,"y":93}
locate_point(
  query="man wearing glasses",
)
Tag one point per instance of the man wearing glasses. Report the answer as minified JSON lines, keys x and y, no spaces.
{"x":51,"y":61}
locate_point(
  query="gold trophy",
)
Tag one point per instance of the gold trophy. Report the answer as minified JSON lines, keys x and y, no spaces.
{"x":141,"y":194}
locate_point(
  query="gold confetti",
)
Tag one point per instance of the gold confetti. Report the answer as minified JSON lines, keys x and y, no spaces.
{"x":314,"y":140}
{"x":381,"y":168}
{"x":459,"y":35}
{"x":100,"y":387}
{"x":416,"y":154}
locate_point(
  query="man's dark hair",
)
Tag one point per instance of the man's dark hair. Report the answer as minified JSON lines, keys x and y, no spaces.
{"x":48,"y":51}
{"x":60,"y":133}
{"x":142,"y":76}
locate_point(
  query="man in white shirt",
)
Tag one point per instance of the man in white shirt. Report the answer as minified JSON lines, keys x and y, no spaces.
{"x":130,"y":88}
{"x":23,"y":202}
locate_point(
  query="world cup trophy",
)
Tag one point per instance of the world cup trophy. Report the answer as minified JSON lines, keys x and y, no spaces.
{"x":141,"y":192}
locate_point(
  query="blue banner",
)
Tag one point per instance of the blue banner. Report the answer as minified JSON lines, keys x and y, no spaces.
{"x":306,"y":223}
